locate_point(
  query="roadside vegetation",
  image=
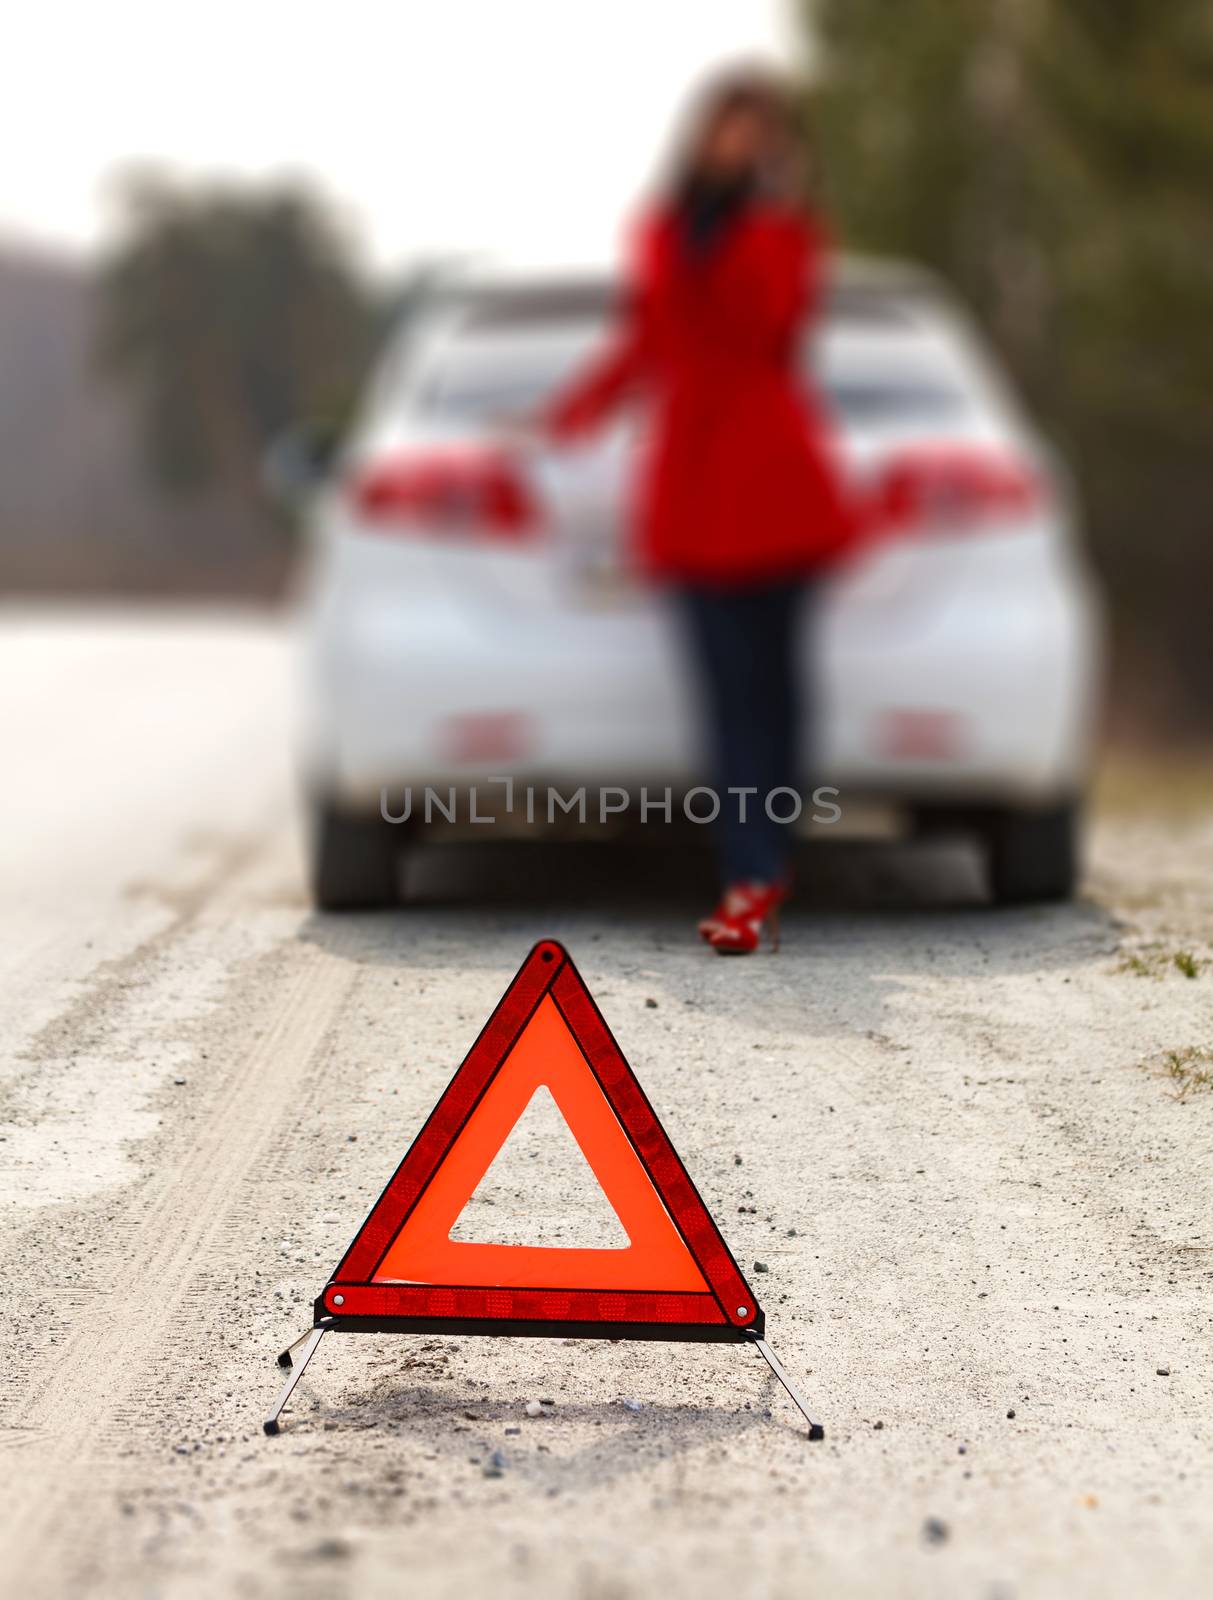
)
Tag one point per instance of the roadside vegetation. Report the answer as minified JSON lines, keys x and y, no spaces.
{"x":1157,"y":961}
{"x":1189,"y":1071}
{"x":1051,"y":162}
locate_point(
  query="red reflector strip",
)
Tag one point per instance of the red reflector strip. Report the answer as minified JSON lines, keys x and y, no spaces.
{"x":448,"y":1116}
{"x":631,"y":1106}
{"x":520,"y":1305}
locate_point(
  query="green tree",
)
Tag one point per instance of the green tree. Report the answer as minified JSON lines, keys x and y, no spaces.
{"x":1053,"y":160}
{"x":230,"y":313}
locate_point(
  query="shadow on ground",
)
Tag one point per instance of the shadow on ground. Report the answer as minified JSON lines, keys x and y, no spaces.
{"x":557,"y":1451}
{"x":907,"y":901}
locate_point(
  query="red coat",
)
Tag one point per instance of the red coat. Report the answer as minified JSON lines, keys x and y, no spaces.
{"x":736,"y":481}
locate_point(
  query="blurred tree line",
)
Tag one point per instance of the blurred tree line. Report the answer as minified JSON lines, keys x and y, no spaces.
{"x":230,"y":313}
{"x":1053,"y":159}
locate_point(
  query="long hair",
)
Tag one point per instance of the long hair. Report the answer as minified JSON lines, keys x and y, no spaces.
{"x":784,"y":174}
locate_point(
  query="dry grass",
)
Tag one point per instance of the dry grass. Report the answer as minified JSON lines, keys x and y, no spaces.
{"x":1156,"y":961}
{"x":1189,"y":1070}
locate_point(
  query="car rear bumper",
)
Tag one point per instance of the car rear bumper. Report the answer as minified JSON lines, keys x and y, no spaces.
{"x":989,"y":703}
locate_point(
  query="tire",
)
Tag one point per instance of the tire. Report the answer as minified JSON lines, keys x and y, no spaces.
{"x":1031,"y":856}
{"x":354,"y":861}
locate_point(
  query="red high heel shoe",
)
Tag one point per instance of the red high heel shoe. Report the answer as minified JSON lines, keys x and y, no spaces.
{"x":736,"y":927}
{"x":709,"y":925}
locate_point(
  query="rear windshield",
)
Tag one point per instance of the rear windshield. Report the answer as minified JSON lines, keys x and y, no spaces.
{"x":511,"y":357}
{"x":872,"y":402}
{"x":478,"y":376}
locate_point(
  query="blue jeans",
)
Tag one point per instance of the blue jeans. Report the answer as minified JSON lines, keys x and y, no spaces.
{"x":745,"y":651}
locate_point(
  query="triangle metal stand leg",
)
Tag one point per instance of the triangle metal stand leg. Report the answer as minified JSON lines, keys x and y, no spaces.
{"x":309,"y":1342}
{"x":284,"y":1360}
{"x":816,"y":1431}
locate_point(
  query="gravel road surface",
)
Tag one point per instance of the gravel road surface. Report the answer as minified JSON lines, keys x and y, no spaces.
{"x":968,"y":1148}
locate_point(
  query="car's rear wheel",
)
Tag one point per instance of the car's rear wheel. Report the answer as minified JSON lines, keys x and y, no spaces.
{"x":354,"y":861}
{"x":1031,"y":855}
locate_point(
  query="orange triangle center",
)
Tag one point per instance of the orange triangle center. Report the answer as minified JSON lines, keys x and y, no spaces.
{"x":544,"y":1055}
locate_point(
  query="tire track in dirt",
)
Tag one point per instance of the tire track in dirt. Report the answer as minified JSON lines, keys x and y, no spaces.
{"x":88,"y":1383}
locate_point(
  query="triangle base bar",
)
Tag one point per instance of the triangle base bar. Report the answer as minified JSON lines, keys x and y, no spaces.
{"x":489,"y":1327}
{"x":438,"y":1306}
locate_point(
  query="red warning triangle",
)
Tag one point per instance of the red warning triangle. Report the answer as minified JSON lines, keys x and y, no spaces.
{"x":674,"y":1279}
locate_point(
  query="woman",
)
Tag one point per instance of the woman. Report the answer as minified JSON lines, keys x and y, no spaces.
{"x":737,"y":504}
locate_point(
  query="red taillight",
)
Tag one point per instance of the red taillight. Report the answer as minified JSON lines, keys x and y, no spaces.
{"x":477,"y":495}
{"x":941,"y":490}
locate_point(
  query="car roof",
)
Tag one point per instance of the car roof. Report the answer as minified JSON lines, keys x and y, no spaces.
{"x":859,"y":288}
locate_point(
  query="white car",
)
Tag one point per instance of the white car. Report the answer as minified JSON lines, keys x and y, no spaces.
{"x":472,"y":641}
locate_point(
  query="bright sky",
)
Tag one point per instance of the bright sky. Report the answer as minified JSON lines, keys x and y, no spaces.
{"x":521,"y":125}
